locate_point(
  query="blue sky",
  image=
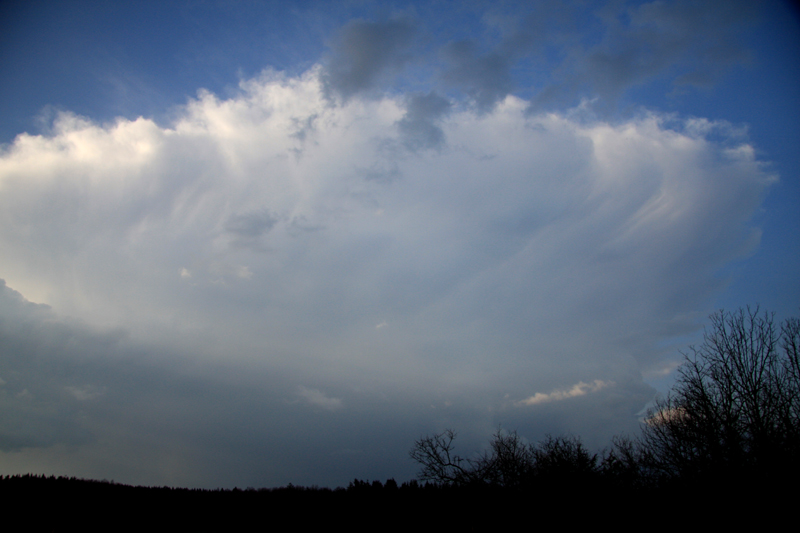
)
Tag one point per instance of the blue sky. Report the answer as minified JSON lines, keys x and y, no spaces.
{"x":255,"y":243}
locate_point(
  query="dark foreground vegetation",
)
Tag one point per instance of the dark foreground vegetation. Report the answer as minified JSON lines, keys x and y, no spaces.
{"x":721,"y":449}
{"x":40,"y":503}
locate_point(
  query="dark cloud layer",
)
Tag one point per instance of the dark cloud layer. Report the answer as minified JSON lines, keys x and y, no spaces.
{"x":43,"y":385}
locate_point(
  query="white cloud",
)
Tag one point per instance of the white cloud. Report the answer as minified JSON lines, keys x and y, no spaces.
{"x":579,"y":389}
{"x":244,"y":272}
{"x":319,"y":399}
{"x":526,"y":250}
{"x":25,"y":394}
{"x":666,"y":416}
{"x":548,"y":229}
{"x":664,"y":369}
{"x":87,"y":392}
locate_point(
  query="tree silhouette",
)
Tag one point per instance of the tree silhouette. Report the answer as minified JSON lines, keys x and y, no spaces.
{"x":564,"y":460}
{"x":734,"y":409}
{"x":509,"y":462}
{"x":439,"y":461}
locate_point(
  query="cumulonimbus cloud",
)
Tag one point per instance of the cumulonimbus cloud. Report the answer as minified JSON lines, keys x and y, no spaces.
{"x":625,"y":223}
{"x":275,"y":229}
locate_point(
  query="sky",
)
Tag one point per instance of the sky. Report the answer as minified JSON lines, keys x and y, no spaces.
{"x":258,"y":243}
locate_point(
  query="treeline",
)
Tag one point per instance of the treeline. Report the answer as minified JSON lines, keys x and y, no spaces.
{"x":42,"y":503}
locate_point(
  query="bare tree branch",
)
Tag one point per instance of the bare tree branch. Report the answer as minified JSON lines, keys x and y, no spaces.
{"x":735,"y":405}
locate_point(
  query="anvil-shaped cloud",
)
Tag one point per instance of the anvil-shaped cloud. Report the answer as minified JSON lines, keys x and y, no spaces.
{"x":292,"y":282}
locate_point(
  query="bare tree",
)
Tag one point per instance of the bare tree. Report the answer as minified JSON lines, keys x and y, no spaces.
{"x":564,"y":457}
{"x":622,"y":464}
{"x":509,"y":461}
{"x":735,"y":405}
{"x":790,"y":386}
{"x":439,"y":462}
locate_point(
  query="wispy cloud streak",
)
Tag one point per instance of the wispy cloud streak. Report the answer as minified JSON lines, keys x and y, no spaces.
{"x":577,"y":390}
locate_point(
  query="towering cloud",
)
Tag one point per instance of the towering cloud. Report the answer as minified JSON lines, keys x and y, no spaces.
{"x":311,"y":263}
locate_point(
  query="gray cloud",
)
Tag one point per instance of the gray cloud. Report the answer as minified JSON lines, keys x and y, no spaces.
{"x":38,"y":393}
{"x":621,"y":46}
{"x":84,"y":401}
{"x":696,"y":40}
{"x":418,"y":126}
{"x":686,"y":42}
{"x":487,"y":74}
{"x":382,"y":171}
{"x":486,"y":78}
{"x":248,"y":228}
{"x":364,"y":53}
